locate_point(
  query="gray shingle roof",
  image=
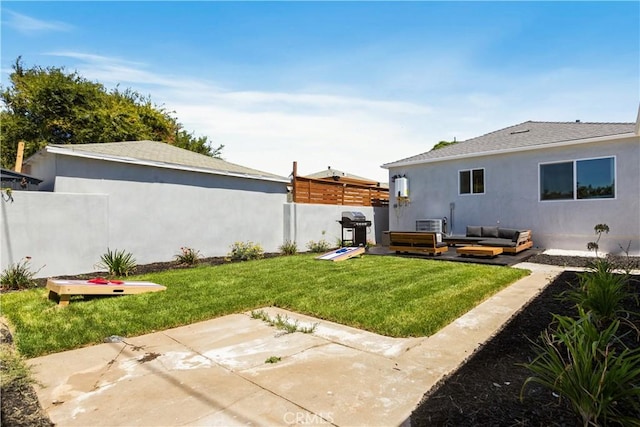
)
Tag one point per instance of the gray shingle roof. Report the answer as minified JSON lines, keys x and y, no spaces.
{"x":528,"y":134}
{"x":164,"y":155}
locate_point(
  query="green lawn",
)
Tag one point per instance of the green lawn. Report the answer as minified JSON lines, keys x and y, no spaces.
{"x":392,"y":296}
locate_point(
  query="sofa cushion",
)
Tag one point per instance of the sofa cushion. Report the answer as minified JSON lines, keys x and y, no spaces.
{"x":507,"y":233}
{"x":474,"y":231}
{"x":489,"y":231}
{"x":504,"y":243}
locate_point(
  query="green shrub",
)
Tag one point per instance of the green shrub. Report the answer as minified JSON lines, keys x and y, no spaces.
{"x":118,"y":263}
{"x":288,"y":248}
{"x":19,"y":275}
{"x":589,"y":367}
{"x":244,"y":251}
{"x":319,"y":246}
{"x":601,"y":292}
{"x":188,"y":256}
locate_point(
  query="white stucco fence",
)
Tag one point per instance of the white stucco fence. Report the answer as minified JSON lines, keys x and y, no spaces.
{"x":62,"y":233}
{"x":67,"y":233}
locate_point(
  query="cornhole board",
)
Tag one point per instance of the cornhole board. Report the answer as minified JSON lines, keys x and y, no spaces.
{"x":62,"y":290}
{"x":342,"y":254}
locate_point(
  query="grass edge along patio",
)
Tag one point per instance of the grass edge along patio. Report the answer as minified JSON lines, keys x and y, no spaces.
{"x":393,"y":296}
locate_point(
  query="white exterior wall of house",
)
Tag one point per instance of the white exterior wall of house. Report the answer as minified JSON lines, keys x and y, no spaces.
{"x":512,"y":199}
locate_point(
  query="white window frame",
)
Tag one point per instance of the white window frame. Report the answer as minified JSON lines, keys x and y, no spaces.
{"x":471,"y":192}
{"x":575,"y":178}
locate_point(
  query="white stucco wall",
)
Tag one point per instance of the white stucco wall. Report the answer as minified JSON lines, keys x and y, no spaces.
{"x":313,"y":222}
{"x":62,"y":233}
{"x":511,"y":197}
{"x":67,"y":233}
{"x":154,"y":211}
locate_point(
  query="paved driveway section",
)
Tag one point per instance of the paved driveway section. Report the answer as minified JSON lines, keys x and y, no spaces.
{"x":216,"y":372}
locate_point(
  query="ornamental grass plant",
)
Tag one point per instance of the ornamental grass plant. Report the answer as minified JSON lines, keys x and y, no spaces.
{"x":585,"y":360}
{"x":118,"y":263}
{"x":601,"y":291}
{"x":289,"y":247}
{"x":18,"y":276}
{"x":591,"y":368}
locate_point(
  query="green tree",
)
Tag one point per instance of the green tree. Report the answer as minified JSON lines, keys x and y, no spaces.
{"x":45,"y":106}
{"x":442,"y":144}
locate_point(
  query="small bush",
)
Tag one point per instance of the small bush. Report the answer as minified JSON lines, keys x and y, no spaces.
{"x":589,"y":367}
{"x":19,"y":275}
{"x":319,"y":246}
{"x":244,"y":251}
{"x":188,"y":256}
{"x":288,"y":248}
{"x":118,"y":263}
{"x":602,"y":292}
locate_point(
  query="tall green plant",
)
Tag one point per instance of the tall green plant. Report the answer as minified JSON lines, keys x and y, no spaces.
{"x":18,"y":275}
{"x":601,"y":291}
{"x":118,"y":263}
{"x":49,"y":105}
{"x":591,"y":368}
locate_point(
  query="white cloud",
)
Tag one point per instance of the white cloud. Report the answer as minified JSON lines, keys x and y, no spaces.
{"x":29,"y":25}
{"x":268,"y":130}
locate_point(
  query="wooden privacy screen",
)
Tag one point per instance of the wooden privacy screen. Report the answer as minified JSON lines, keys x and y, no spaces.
{"x":320,"y":191}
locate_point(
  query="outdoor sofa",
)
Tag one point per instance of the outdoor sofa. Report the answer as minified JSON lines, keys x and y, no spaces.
{"x":417,"y":242}
{"x":511,"y":240}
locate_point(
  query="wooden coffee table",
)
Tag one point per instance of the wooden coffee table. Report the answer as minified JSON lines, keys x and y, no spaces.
{"x":479,"y":251}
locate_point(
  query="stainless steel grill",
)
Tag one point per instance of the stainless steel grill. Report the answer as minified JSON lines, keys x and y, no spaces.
{"x":355,"y":223}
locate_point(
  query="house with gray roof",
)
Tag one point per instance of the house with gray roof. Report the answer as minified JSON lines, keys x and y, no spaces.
{"x":147,"y":154}
{"x":558,"y":179}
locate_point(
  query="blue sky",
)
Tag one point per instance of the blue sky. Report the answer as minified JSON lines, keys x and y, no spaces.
{"x":351,"y":85}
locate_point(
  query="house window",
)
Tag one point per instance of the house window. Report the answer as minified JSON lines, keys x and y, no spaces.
{"x":580,"y":179}
{"x":471,"y":181}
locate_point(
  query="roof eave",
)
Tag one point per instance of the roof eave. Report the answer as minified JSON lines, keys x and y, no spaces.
{"x":510,"y":150}
{"x":132,"y":160}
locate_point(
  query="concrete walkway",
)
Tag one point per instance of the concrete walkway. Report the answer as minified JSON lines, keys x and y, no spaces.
{"x":213,"y":373}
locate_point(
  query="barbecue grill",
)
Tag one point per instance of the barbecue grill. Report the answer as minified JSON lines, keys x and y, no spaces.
{"x":356,"y":223}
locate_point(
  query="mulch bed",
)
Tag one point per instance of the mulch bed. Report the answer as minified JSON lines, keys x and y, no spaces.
{"x":485,"y":391}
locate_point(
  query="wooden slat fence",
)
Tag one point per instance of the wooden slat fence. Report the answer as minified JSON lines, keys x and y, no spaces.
{"x":319,"y":191}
